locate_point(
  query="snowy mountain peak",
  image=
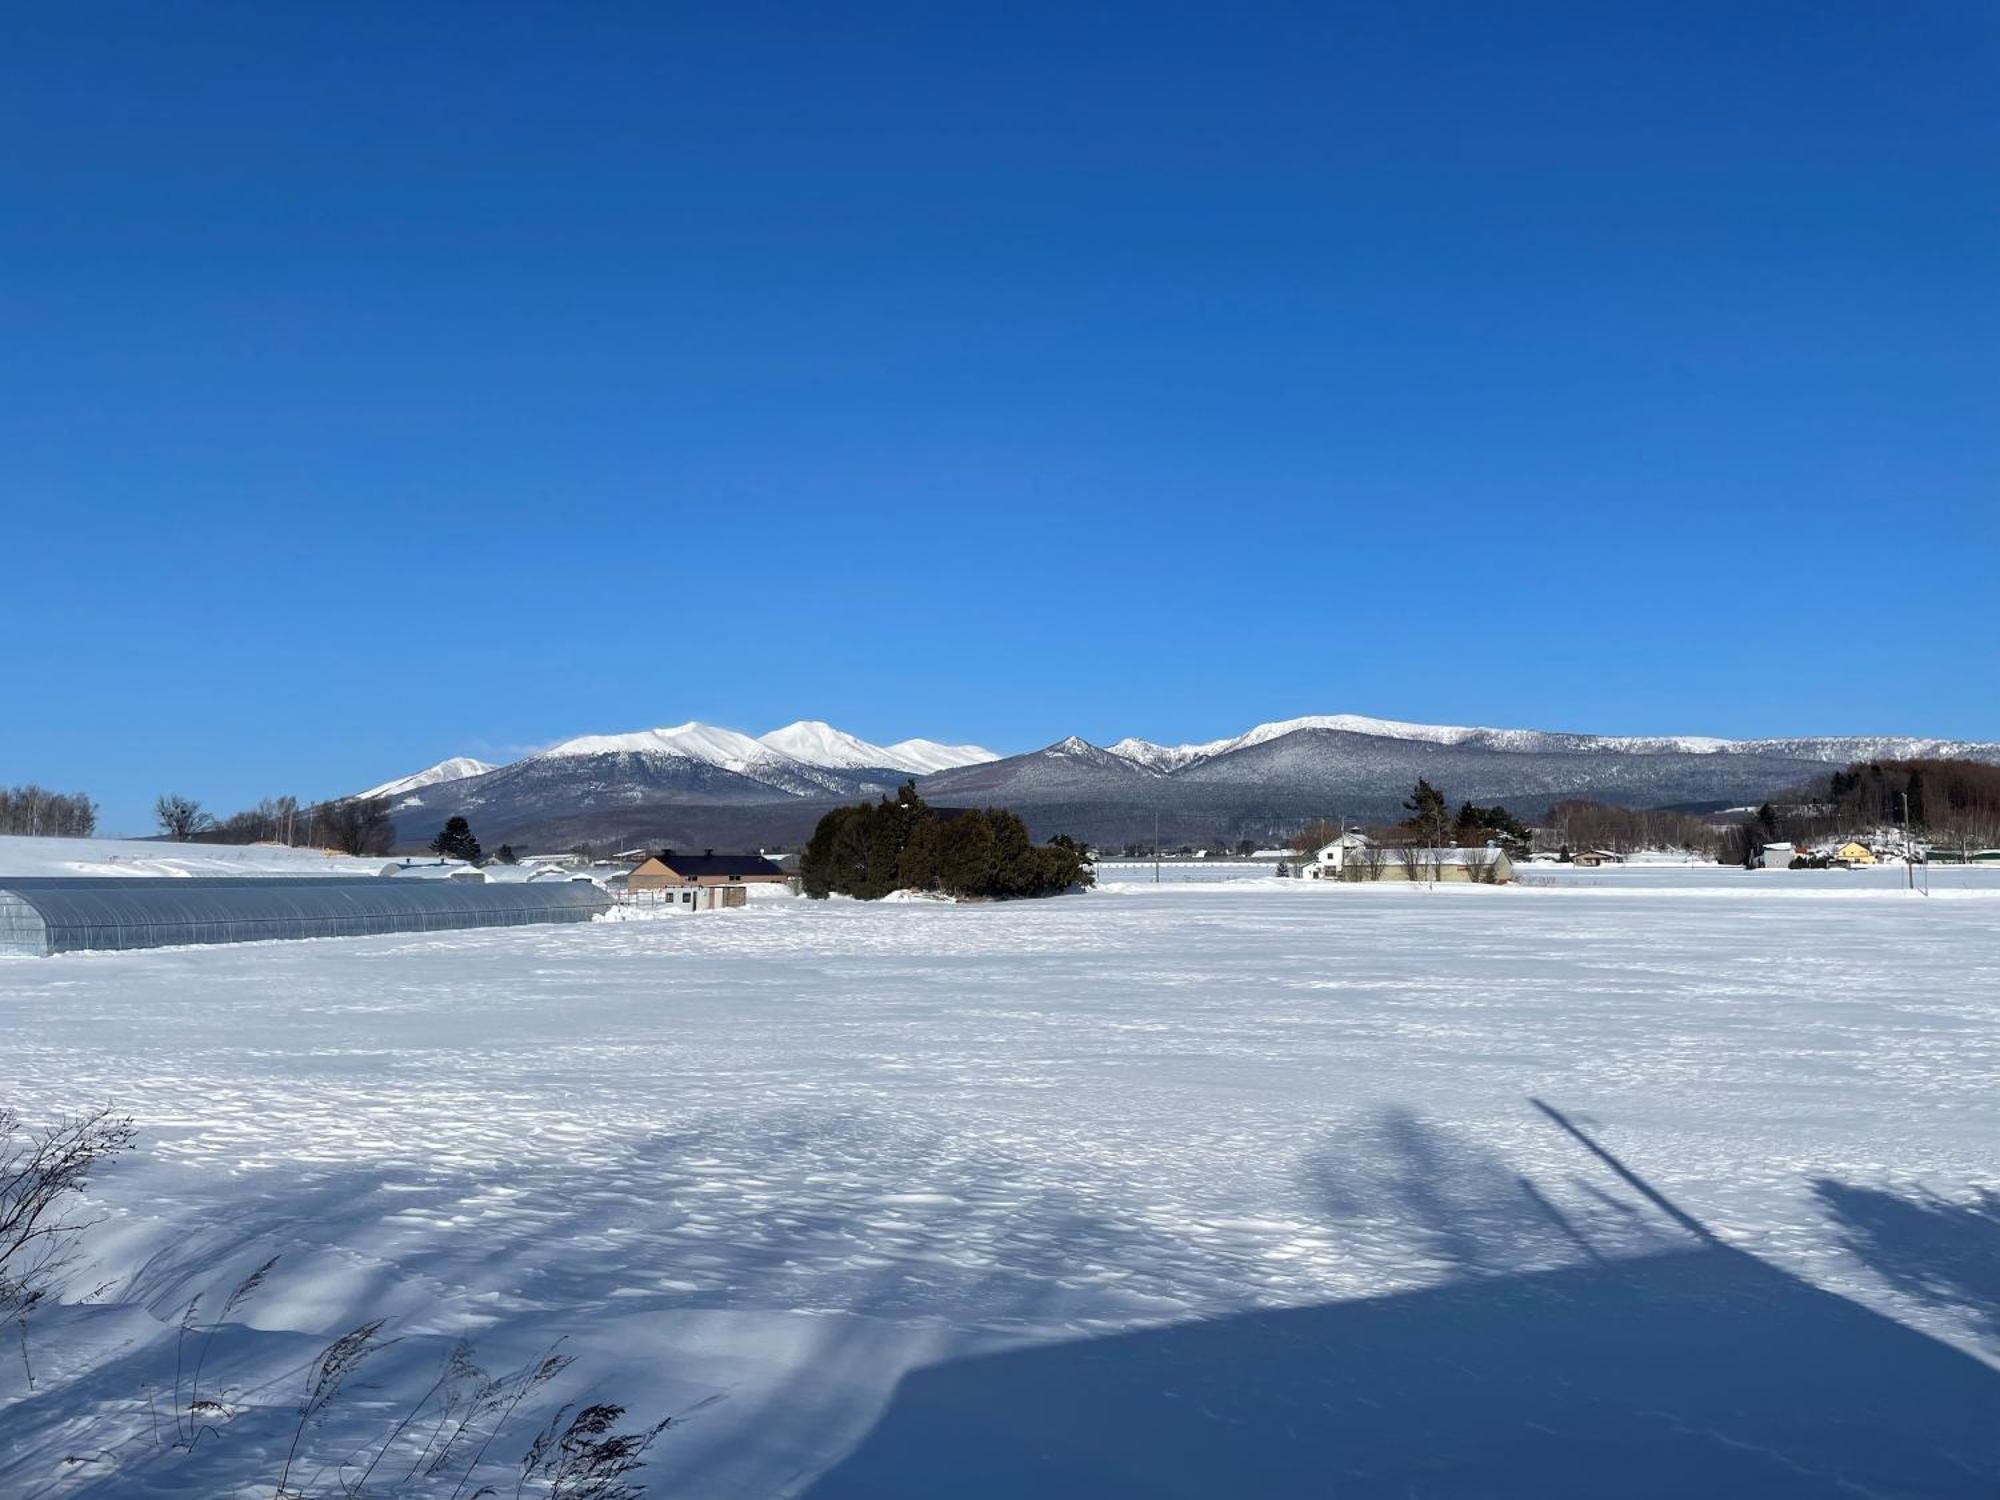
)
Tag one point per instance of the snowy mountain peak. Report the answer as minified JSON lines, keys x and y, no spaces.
{"x":809,"y":743}
{"x":818,"y":743}
{"x":696,"y":741}
{"x":455,"y":769}
{"x":1163,"y":757}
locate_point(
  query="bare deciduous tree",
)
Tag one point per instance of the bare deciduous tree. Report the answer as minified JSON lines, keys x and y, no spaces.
{"x":181,"y":817}
{"x":360,"y":825}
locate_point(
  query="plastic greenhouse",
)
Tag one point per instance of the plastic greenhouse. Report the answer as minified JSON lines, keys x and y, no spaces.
{"x":68,"y":914}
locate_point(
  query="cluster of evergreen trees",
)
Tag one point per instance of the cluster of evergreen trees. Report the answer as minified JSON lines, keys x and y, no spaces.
{"x":37,"y":811}
{"x":1431,"y":820}
{"x":871,"y":849}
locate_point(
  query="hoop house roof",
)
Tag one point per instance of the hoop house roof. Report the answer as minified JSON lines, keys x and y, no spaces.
{"x":62,"y":915}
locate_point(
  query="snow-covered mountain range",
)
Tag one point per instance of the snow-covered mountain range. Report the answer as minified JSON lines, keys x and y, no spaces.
{"x":1840,"y":748}
{"x":698,"y":783}
{"x":809,"y":758}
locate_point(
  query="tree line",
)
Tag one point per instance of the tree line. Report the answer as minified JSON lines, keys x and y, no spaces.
{"x":1579,"y":823}
{"x":1951,"y":802}
{"x":352,"y":825}
{"x":871,"y":849}
{"x":40,"y":813}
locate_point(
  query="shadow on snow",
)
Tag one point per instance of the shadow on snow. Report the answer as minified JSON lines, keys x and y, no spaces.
{"x":1655,"y":1362}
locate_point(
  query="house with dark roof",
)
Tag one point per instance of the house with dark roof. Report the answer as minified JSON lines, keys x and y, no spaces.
{"x":671,"y":867}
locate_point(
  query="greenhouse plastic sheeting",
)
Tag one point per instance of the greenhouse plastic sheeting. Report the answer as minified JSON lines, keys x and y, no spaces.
{"x":51,"y":914}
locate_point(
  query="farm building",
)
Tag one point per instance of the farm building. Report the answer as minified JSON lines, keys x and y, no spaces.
{"x":1854,"y":853}
{"x":61,"y":914}
{"x":672,"y":868}
{"x":1356,"y":857}
{"x":1488,"y":865}
{"x":1330,"y":859}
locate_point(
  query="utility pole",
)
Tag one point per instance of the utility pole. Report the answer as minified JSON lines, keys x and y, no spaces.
{"x":1909,"y":869}
{"x":1156,"y":846}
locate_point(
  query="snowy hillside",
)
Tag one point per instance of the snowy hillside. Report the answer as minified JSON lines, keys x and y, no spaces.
{"x":455,"y":769}
{"x":725,"y":749}
{"x":929,"y":755}
{"x":141,"y":857}
{"x":817,"y":743}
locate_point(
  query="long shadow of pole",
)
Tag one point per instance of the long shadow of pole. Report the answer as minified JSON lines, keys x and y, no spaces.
{"x":1626,"y":1175}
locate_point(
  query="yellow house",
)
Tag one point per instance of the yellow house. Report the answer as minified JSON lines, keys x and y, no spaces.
{"x":1852,"y":853}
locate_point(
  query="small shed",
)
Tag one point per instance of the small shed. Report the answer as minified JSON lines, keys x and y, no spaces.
{"x":670,"y":868}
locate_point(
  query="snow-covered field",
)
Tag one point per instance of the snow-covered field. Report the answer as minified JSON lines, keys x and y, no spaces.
{"x":147,"y":857}
{"x":1236,"y":1187}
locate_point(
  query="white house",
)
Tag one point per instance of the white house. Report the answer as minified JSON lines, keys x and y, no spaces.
{"x":1333,"y":857}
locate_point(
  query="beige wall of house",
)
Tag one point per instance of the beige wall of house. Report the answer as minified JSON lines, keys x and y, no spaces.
{"x":655,"y":874}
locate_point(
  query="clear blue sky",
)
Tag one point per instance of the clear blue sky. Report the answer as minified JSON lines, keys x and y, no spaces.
{"x":379,"y":382}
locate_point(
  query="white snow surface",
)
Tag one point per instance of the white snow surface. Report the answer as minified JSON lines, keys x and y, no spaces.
{"x":924,"y":756}
{"x":141,"y":857}
{"x":818,"y":743}
{"x":1125,"y":1193}
{"x":457,"y":768}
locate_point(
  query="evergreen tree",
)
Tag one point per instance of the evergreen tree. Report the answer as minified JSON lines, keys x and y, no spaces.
{"x":1475,"y":825}
{"x":1016,"y":871}
{"x":968,"y":859}
{"x":455,"y":841}
{"x":917,"y":869}
{"x":887,"y":824}
{"x":1430,"y":815}
{"x":507,"y":856}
